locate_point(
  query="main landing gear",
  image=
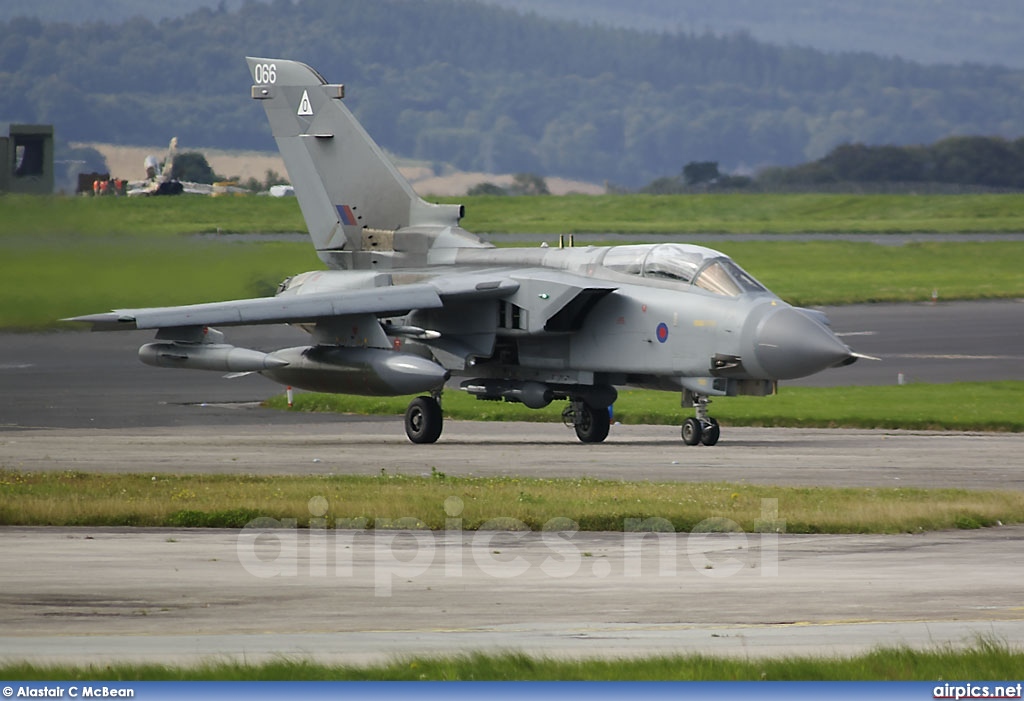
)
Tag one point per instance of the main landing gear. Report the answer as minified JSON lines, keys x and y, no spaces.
{"x":702,"y":428}
{"x":424,"y":420}
{"x":591,"y":424}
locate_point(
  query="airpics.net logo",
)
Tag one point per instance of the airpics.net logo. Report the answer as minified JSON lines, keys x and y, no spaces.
{"x":387,"y":551}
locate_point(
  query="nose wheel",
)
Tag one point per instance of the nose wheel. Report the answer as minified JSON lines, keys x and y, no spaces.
{"x":695,"y":431}
{"x":701,"y":428}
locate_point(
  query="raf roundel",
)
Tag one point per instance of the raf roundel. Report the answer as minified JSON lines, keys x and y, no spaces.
{"x":662,"y":332}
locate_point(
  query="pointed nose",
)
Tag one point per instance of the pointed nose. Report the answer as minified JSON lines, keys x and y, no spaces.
{"x":789,"y":344}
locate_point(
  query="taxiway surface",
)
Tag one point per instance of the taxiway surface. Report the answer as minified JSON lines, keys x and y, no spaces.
{"x":192,"y":596}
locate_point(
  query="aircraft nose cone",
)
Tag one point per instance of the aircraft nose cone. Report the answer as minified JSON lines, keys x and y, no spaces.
{"x":789,"y":344}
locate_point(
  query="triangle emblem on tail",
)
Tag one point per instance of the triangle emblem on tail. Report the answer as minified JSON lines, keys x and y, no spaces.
{"x":305,"y":109}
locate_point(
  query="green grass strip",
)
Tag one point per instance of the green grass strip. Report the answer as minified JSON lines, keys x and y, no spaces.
{"x":685,"y":214}
{"x":63,"y":257}
{"x":986,"y":659}
{"x":52,"y":277}
{"x":848,"y":272}
{"x":390,"y":501}
{"x":55,"y":276}
{"x":149,"y":217}
{"x":745,"y":213}
{"x":960,"y":406}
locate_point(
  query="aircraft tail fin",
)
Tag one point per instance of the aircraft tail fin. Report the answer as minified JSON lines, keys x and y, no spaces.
{"x":344,"y":182}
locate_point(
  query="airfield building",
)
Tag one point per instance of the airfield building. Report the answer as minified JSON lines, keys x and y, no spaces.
{"x":26,"y":159}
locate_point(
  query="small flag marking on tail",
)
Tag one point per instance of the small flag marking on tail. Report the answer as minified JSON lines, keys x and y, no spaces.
{"x":346,"y":215}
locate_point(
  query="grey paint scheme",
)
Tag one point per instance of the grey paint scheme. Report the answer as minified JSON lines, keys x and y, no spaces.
{"x":412,"y":299}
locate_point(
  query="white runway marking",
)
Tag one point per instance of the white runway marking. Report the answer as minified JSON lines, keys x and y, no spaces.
{"x":952,"y":356}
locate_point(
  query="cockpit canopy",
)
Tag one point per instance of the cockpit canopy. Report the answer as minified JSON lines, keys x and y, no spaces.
{"x":683,"y":264}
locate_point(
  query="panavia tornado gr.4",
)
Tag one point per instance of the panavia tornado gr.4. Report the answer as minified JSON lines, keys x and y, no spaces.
{"x":412,"y":303}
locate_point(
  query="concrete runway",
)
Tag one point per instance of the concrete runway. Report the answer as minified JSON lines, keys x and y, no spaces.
{"x":838,"y":458}
{"x":83,"y":402}
{"x":189,"y":596}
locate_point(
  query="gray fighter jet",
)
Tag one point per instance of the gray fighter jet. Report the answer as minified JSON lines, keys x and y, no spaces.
{"x":412,"y":302}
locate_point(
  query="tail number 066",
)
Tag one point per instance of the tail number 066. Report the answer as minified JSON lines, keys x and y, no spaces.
{"x":265,"y":73}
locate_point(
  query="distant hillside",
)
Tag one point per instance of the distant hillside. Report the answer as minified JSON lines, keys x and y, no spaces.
{"x":487,"y":89}
{"x":78,"y":11}
{"x":927,"y":31}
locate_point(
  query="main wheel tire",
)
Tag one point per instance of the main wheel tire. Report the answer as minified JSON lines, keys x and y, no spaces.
{"x":691,"y":431}
{"x":711,"y":432}
{"x":424,"y":420}
{"x":592,"y":424}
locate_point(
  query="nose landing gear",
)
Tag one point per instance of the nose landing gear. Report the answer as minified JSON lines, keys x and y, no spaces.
{"x":702,"y":428}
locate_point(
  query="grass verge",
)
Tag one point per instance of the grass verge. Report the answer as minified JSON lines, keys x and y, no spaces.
{"x":62,"y":257}
{"x":685,"y":214}
{"x":745,"y":213}
{"x":849,"y":272}
{"x":52,"y":277}
{"x":391,"y":501}
{"x":149,"y":217}
{"x":962,"y":406}
{"x":984,"y":660}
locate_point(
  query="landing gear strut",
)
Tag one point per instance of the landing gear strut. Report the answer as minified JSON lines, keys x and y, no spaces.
{"x":702,"y":428}
{"x":591,"y":424}
{"x":424,"y":420}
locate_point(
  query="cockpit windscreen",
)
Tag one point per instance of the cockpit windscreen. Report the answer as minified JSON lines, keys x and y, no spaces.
{"x":684,"y":264}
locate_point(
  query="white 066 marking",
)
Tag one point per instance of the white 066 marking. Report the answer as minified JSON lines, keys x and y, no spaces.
{"x":265,"y":73}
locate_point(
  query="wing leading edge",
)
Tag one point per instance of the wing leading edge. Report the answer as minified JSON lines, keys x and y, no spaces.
{"x":301,"y":308}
